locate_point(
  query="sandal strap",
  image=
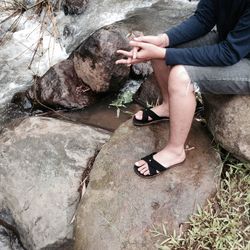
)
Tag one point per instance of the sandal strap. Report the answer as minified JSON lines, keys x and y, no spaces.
{"x":146,"y":113}
{"x":151,"y":114}
{"x":144,"y":116}
{"x":148,"y":156}
{"x":153,"y":165}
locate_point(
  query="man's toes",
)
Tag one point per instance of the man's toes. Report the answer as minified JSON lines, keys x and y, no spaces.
{"x":138,"y":115}
{"x":143,"y":168}
{"x":140,"y":163}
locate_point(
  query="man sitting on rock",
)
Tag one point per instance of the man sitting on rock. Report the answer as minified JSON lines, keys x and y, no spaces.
{"x":216,"y":62}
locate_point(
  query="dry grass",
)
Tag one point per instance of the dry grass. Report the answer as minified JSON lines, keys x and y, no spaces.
{"x":224,"y":223}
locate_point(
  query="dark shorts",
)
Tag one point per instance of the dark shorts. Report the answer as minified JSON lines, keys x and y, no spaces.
{"x":233,"y":79}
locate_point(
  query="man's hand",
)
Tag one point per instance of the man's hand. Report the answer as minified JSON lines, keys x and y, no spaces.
{"x":161,"y":40}
{"x":145,"y":53}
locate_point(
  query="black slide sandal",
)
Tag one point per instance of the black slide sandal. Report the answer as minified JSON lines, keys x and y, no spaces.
{"x":155,"y":168}
{"x":146,"y":113}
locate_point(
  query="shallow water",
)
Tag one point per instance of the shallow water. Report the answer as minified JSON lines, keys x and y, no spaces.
{"x":101,"y":115}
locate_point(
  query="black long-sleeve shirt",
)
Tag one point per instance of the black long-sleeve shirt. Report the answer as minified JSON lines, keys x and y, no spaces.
{"x":232,"y":18}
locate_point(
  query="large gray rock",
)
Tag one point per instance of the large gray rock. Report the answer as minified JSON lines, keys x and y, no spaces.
{"x":119,"y":208}
{"x":42,"y":161}
{"x":228,"y":119}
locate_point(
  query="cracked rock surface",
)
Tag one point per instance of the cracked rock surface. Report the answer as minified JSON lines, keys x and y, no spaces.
{"x":41,"y":165}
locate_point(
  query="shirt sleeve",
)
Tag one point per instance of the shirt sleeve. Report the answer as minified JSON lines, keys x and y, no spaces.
{"x":228,"y":52}
{"x":196,"y":26}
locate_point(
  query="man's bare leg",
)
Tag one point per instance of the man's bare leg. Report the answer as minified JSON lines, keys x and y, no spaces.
{"x":182,"y":105}
{"x":161,"y":71}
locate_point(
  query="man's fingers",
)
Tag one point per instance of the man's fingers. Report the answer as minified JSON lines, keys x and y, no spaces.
{"x":145,"y":39}
{"x":130,"y":62}
{"x":137,"y":44}
{"x":121,"y":61}
{"x":135,"y":50}
{"x":125,"y":53}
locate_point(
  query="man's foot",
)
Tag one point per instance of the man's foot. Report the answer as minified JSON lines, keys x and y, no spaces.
{"x":166,"y":158}
{"x":161,"y":110}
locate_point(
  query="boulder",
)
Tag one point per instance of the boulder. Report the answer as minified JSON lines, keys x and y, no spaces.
{"x":42,"y":164}
{"x":76,"y":7}
{"x":94,"y":60}
{"x":228,"y":119}
{"x":119,"y":208}
{"x":60,"y":87}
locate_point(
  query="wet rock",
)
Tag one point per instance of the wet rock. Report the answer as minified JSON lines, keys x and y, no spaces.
{"x":94,"y":60}
{"x":60,"y":87}
{"x":42,"y":161}
{"x":22,"y":100}
{"x":228,"y":120}
{"x":72,"y":7}
{"x":149,"y":92}
{"x":119,"y":208}
{"x":8,"y":240}
{"x":4,"y":239}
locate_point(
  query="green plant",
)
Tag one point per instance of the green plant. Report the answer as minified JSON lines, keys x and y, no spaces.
{"x":122,"y":99}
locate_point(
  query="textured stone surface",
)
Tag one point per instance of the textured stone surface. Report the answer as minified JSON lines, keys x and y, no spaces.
{"x":42,"y":161}
{"x":228,"y":119}
{"x":60,"y":87}
{"x":119,"y":208}
{"x":94,"y":60}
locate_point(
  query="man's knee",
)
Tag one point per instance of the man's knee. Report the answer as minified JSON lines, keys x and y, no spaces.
{"x":179,"y":80}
